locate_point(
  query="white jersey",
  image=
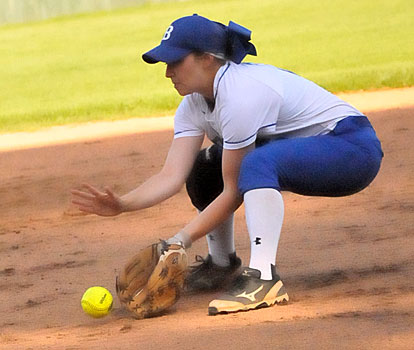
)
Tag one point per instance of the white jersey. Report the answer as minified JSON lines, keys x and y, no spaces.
{"x":260,"y":101}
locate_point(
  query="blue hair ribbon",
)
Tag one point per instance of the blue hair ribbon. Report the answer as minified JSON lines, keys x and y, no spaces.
{"x":238,"y":42}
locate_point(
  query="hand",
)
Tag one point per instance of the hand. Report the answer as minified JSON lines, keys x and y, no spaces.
{"x":96,"y":202}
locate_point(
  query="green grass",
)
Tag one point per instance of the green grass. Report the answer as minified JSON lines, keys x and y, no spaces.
{"x":88,"y":67}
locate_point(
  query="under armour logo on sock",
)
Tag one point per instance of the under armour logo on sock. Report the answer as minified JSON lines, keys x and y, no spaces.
{"x":211,"y":237}
{"x":258,"y":240}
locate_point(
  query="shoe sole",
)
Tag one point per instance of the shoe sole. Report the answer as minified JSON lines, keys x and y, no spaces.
{"x":212,"y":311}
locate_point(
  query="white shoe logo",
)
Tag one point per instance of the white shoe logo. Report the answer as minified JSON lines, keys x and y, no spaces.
{"x":251,"y":296}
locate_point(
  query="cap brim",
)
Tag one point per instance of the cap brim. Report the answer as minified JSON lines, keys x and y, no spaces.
{"x":164,"y":53}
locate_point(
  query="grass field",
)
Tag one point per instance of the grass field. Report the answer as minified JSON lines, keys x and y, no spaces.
{"x":88,"y":67}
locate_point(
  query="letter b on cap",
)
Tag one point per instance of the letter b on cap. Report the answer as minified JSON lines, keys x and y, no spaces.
{"x":168,"y":32}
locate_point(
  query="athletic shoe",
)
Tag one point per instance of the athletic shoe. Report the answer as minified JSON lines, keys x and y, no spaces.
{"x":250,"y":292}
{"x":208,"y":276}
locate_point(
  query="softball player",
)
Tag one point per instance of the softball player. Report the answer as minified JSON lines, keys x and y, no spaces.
{"x":271,"y":131}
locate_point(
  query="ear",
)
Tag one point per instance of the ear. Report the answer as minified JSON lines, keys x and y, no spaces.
{"x":208,"y":60}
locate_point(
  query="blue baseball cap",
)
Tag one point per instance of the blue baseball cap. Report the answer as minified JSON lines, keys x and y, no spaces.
{"x":197,"y":33}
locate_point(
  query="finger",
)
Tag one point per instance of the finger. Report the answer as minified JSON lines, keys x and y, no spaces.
{"x":82,"y":194}
{"x":109,"y":192}
{"x":92,"y":210}
{"x":87,"y":210}
{"x":86,"y":207}
{"x":93,"y":190}
{"x":82,"y":203}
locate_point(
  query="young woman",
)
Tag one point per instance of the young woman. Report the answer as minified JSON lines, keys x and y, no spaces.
{"x":271,"y":130}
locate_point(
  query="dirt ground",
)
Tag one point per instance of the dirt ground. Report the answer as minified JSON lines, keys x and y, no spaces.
{"x":347,"y":263}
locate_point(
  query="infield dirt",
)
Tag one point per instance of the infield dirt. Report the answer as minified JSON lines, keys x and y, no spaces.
{"x":347,"y":263}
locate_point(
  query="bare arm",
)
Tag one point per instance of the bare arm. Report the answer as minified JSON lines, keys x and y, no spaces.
{"x":227,"y":202}
{"x":157,"y":188}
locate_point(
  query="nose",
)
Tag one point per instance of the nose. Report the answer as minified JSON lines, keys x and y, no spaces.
{"x":169,"y":71}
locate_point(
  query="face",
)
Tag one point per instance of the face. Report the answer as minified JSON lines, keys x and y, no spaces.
{"x":188,"y":75}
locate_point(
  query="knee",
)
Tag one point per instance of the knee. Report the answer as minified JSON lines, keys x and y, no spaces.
{"x":257,"y":171}
{"x":205,"y":181}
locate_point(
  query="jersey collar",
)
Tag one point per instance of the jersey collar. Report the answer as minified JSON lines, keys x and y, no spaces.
{"x":219,"y":75}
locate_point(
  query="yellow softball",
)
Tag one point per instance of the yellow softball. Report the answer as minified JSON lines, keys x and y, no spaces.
{"x":97,"y":301}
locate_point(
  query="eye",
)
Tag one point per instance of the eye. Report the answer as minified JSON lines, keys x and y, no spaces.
{"x":176,"y":63}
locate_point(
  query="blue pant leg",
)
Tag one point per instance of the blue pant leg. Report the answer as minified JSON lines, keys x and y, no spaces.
{"x":336,"y":164}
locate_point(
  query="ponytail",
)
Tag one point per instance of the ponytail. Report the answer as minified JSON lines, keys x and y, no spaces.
{"x":238,"y":43}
